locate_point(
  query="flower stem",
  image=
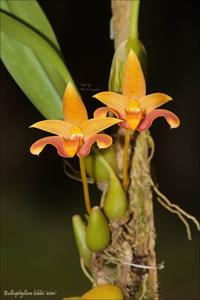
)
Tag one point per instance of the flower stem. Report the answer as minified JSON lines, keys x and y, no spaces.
{"x":85,"y":185}
{"x":125,"y":159}
{"x":134,"y":15}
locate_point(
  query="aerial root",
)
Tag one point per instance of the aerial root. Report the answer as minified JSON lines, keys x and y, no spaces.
{"x":183,"y":215}
{"x":179,"y":215}
{"x":164,"y":201}
{"x":74,"y":174}
{"x":85,"y":271}
{"x":144,"y":287}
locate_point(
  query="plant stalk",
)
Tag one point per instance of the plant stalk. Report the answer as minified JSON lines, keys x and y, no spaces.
{"x":134,"y":17}
{"x":85,"y":185}
{"x":126,"y":159}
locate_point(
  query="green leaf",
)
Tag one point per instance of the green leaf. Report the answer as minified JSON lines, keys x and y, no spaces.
{"x":17,"y":30}
{"x":79,"y":229}
{"x":32,"y":14}
{"x":34,"y":61}
{"x":31,"y":77}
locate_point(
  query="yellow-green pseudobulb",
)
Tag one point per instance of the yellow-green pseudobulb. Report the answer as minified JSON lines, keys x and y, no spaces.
{"x":96,"y":169}
{"x":104,"y":292}
{"x":98,"y":231}
{"x":115,"y":202}
{"x":80,"y":237}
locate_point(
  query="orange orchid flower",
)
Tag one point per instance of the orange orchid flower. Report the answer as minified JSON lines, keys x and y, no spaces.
{"x":77,"y":133}
{"x":134,"y":107}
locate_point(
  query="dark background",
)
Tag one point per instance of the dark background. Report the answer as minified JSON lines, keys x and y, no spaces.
{"x":38,"y":200}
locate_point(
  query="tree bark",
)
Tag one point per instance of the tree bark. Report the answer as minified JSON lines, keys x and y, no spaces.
{"x":121,"y":16}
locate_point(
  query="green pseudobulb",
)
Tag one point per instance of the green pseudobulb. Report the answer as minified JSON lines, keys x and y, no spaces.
{"x":115,"y":202}
{"x":96,"y":169}
{"x":98,"y":231}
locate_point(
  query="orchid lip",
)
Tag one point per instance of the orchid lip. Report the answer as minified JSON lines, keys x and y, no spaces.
{"x":76,"y":132}
{"x":134,"y":110}
{"x":133,"y":106}
{"x":76,"y":135}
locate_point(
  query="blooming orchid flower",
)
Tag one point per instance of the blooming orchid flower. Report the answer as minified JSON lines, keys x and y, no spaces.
{"x":133,"y":106}
{"x":77,"y":133}
{"x":136,"y":109}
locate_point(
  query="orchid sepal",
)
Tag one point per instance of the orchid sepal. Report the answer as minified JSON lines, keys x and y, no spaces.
{"x":58,"y":127}
{"x":103,"y":111}
{"x":112,"y":100}
{"x":95,"y":125}
{"x":65,"y":148}
{"x":152,"y":101}
{"x":73,"y":108}
{"x":133,"y":81}
{"x":170,"y":117}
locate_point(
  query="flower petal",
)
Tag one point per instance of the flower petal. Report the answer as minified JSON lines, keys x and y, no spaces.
{"x":95,"y":125}
{"x":170,"y":117}
{"x":58,"y":127}
{"x":102,"y":112}
{"x":73,"y":108}
{"x":133,"y":81}
{"x":103,"y":141}
{"x":65,"y":148}
{"x":153,"y":101}
{"x":112,"y":100}
{"x":133,"y":119}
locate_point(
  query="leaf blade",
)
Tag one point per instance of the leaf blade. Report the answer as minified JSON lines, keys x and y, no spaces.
{"x":45,"y":98}
{"x":33,"y":40}
{"x":49,"y":60}
{"x":32,"y":13}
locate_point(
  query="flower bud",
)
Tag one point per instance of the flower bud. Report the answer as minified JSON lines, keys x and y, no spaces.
{"x":96,"y":169}
{"x":115,"y":202}
{"x":119,"y":60}
{"x":107,"y":291}
{"x":80,"y":237}
{"x":98,"y":231}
